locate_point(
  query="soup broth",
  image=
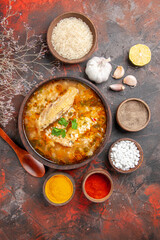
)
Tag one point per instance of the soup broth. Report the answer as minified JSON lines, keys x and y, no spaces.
{"x":65,"y":121}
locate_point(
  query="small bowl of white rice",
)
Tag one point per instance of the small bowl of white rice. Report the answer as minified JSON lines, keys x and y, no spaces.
{"x":72,"y":37}
{"x":125,"y":155}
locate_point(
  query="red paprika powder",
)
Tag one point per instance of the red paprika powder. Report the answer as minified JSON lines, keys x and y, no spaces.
{"x":97,"y":186}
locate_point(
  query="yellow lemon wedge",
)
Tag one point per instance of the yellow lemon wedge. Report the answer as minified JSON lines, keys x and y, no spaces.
{"x":140,"y":54}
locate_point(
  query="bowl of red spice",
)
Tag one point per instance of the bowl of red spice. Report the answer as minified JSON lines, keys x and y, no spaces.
{"x":97,"y":185}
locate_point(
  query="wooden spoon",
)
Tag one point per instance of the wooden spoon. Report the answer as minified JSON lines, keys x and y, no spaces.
{"x":29,"y":163}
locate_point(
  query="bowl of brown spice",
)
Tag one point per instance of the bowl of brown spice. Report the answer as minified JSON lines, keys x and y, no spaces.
{"x":133,"y":114}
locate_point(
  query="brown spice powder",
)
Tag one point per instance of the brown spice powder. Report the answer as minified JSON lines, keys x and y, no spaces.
{"x":133,"y":115}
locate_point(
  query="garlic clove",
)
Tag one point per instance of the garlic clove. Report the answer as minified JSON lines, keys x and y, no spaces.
{"x":119,"y":72}
{"x":117,"y":87}
{"x":130,"y":80}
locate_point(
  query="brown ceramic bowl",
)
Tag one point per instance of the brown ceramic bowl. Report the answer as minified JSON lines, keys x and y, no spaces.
{"x":73,"y":184}
{"x":140,"y":152}
{"x":46,"y":161}
{"x":119,"y":114}
{"x":99,"y":171}
{"x":84,"y":19}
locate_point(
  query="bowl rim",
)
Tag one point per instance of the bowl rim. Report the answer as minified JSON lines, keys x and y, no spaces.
{"x":46,"y":161}
{"x":95,"y":171}
{"x":118,"y":111}
{"x":140,"y":151}
{"x":72,"y":181}
{"x":90,"y":25}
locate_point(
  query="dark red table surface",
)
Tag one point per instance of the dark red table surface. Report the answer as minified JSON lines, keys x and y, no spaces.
{"x":133,"y":211}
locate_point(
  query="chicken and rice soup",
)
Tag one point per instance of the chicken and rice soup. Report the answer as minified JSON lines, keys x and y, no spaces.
{"x":65,"y":121}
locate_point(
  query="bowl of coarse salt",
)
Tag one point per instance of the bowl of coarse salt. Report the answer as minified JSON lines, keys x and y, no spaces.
{"x":125,"y":155}
{"x":72,"y":37}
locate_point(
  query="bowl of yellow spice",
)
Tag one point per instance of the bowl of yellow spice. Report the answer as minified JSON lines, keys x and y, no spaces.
{"x":59,"y":188}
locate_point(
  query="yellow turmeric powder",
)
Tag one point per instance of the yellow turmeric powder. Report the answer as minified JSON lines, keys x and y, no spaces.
{"x":59,"y":189}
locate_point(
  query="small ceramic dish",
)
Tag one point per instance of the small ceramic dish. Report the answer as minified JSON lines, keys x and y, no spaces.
{"x":140,"y":152}
{"x":105,"y":174}
{"x":133,"y":114}
{"x":84,"y":19}
{"x":70,"y":181}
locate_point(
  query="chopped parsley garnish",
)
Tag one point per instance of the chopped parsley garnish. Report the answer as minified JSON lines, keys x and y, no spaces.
{"x":63,"y":122}
{"x":57,"y":132}
{"x":74,"y":124}
{"x":62,"y":132}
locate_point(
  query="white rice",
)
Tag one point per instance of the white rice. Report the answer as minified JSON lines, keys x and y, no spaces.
{"x":72,"y":38}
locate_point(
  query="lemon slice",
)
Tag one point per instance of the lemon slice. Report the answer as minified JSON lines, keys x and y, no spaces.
{"x":140,"y":55}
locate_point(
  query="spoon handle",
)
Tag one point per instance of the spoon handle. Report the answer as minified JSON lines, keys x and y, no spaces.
{"x":10,"y":142}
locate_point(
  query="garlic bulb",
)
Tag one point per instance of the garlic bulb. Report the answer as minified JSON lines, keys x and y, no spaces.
{"x":119,"y":72}
{"x":98,"y":69}
{"x":130,"y":80}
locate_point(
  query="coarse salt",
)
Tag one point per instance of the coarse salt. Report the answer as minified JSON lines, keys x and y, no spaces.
{"x":125,"y":155}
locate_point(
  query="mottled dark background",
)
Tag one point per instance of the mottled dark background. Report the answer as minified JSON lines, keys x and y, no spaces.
{"x":133,"y":211}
